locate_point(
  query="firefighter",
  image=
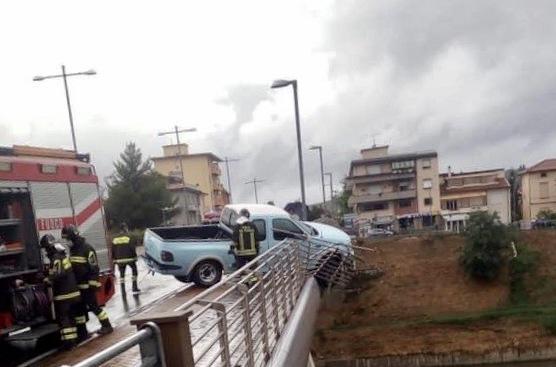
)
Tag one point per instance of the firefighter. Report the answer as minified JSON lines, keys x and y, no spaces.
{"x":64,"y":288}
{"x":246,"y":239}
{"x":123,"y":252}
{"x":84,"y":261}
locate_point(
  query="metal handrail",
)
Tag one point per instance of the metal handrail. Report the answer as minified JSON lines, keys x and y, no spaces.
{"x":239,"y":321}
{"x":148,"y":338}
{"x":253,"y":313}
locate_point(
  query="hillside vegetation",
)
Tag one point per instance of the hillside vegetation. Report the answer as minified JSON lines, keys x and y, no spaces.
{"x":426,"y":303}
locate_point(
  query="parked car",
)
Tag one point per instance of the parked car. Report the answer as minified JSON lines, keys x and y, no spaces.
{"x":379,"y":232}
{"x":201,"y":254}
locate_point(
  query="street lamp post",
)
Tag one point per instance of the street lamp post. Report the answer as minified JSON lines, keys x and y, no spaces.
{"x":64,"y":76}
{"x":319,"y":148}
{"x":281,"y":84}
{"x":227,"y":161}
{"x":255,"y":182}
{"x":177,"y":132}
{"x":331,"y":187}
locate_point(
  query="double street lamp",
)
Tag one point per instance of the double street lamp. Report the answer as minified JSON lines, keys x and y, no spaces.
{"x":281,"y":84}
{"x":65,"y":75}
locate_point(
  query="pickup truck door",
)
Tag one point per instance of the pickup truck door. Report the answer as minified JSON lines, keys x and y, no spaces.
{"x":285,"y":225}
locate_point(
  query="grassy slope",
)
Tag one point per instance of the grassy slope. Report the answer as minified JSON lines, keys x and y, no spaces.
{"x":425,"y":303}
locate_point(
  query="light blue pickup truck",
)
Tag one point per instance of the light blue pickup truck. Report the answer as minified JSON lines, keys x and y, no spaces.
{"x":201,"y":254}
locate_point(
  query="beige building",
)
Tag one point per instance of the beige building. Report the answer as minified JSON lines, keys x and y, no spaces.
{"x":201,"y":171}
{"x":538,"y":189}
{"x":466,"y":192}
{"x":398,"y":191}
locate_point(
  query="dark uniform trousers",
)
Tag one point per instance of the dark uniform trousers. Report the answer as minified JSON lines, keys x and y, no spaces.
{"x":85,"y":265}
{"x":66,"y":298}
{"x":125,"y":255}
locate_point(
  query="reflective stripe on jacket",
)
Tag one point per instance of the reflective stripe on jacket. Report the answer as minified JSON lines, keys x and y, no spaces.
{"x":123,"y":249}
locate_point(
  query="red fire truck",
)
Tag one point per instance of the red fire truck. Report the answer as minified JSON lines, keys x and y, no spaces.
{"x":41,"y":191}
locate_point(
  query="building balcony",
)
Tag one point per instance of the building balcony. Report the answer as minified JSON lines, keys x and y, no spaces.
{"x":379,"y":178}
{"x":215,"y":169}
{"x":384,"y":196}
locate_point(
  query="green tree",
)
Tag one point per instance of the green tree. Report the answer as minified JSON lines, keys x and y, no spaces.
{"x":486,"y":239}
{"x":546,"y":215}
{"x":136,"y":193}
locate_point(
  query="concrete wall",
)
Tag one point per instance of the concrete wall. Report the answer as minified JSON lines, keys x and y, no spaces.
{"x":434,"y":192}
{"x":499,"y":201}
{"x":508,"y":357}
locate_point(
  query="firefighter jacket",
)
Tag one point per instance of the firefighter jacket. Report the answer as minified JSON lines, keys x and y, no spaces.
{"x":123,"y":249}
{"x":246,"y":239}
{"x":84,"y":261}
{"x":60,"y":275}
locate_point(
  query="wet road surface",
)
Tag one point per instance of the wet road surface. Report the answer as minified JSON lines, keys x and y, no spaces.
{"x":158,"y":293}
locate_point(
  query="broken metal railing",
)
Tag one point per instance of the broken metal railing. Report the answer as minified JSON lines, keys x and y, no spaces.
{"x":239,"y":321}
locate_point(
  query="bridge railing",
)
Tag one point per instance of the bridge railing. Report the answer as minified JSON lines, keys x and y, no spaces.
{"x":147,"y":338}
{"x":240,"y":320}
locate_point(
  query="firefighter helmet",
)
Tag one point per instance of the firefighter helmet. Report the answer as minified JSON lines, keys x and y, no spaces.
{"x":70,"y":232}
{"x":47,"y":241}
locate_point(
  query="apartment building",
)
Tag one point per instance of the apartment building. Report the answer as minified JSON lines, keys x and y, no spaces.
{"x":399,"y":191}
{"x":538,"y":189}
{"x":201,"y":171}
{"x":465,"y":192}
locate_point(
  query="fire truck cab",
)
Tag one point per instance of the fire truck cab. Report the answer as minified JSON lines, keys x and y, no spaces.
{"x":41,"y":191}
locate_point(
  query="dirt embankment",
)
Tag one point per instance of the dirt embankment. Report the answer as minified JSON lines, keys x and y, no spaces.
{"x":422,"y":282}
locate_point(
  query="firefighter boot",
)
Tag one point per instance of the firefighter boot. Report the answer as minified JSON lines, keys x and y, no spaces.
{"x":82,"y":333}
{"x":135,"y":288}
{"x":106,"y":327}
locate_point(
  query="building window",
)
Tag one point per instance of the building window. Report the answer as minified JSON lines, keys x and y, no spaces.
{"x":404,"y":203}
{"x":428,"y":201}
{"x":404,"y":186}
{"x":373,"y":169}
{"x":403,"y":166}
{"x":449,"y":205}
{"x":543,"y":190}
{"x":426,"y":163}
{"x":5,"y":166}
{"x":49,"y":168}
{"x":84,"y":171}
{"x":373,"y":206}
{"x":427,"y":183}
{"x":543,"y":174}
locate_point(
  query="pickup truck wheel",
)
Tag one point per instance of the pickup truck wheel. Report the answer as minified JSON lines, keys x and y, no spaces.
{"x":207,"y":273}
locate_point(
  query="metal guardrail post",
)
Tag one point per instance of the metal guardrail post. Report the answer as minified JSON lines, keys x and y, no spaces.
{"x":175,"y":335}
{"x":247,"y":326}
{"x":152,"y":351}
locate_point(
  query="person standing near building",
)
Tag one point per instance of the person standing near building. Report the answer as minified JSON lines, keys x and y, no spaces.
{"x":246,"y":239}
{"x":83,"y":258}
{"x":64,"y":289}
{"x":124,"y":254}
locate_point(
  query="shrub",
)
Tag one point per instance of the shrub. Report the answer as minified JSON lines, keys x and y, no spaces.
{"x":520,"y":266}
{"x":486,"y":238}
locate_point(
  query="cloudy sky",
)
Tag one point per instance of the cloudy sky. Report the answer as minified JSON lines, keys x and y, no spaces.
{"x":474,"y":80}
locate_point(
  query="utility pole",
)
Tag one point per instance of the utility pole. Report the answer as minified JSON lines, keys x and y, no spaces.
{"x":64,"y":76}
{"x":255,"y":182}
{"x":319,"y":148}
{"x":227,"y":161}
{"x":329,"y":174}
{"x":177,"y":132}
